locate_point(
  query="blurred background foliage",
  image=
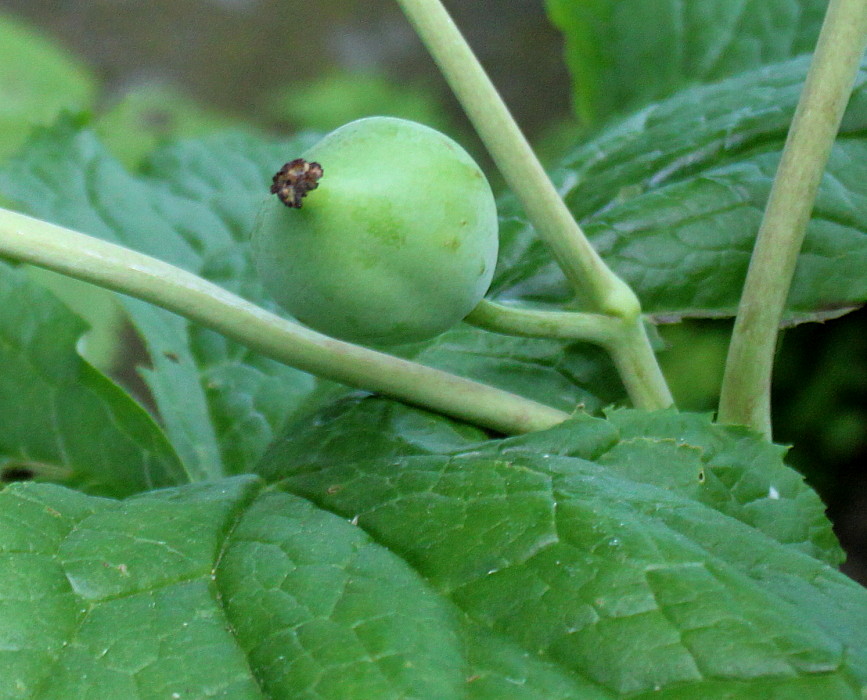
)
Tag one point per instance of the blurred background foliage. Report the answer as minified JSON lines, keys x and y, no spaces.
{"x":144,"y":73}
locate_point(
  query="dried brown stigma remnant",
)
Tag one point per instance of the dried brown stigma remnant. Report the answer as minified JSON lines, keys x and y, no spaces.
{"x":294,"y":180}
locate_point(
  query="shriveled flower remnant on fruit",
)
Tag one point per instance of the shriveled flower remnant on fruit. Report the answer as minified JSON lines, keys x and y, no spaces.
{"x":294,"y":180}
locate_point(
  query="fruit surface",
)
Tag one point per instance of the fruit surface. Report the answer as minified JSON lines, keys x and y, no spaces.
{"x":396,"y":243}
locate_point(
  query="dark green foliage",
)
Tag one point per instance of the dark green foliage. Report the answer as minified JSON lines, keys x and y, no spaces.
{"x":673,"y":195}
{"x":63,"y":420}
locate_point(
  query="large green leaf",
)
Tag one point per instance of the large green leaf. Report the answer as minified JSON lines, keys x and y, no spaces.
{"x":60,"y":418}
{"x":625,"y":53}
{"x":499,"y":572}
{"x":724,"y":467}
{"x":230,"y":590}
{"x":672,"y":198}
{"x":220,"y":403}
{"x":37,"y":82}
{"x":617,"y":550}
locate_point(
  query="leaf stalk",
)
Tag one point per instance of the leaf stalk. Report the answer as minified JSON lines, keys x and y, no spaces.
{"x":745,"y":397}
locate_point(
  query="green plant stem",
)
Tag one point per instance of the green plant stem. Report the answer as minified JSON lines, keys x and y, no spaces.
{"x":597,"y":329}
{"x":626,"y":340}
{"x":745,"y":395}
{"x":126,"y":271}
{"x":637,"y":366}
{"x":582,"y":265}
{"x":523,"y":172}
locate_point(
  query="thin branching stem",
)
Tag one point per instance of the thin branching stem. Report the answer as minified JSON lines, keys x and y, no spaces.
{"x":584,"y":268}
{"x":598,"y":329}
{"x":519,"y":165}
{"x":625,"y":341}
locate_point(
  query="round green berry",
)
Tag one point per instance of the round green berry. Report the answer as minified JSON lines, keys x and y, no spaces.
{"x":384,"y":232}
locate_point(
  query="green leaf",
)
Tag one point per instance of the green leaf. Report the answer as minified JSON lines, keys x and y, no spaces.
{"x":38,"y":81}
{"x":553,"y":372}
{"x":336,"y":601}
{"x":220,"y":403}
{"x":623,"y":55}
{"x":727,"y":468}
{"x":358,"y":426}
{"x":500,"y":572}
{"x":101,"y":344}
{"x":66,"y":176}
{"x":61,"y":419}
{"x":107,"y":599}
{"x":672,"y":198}
{"x":626,"y":585}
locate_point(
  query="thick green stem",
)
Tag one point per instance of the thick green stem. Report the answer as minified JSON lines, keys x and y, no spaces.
{"x":745,"y":396}
{"x":520,"y":167}
{"x":157,"y":282}
{"x":625,"y":339}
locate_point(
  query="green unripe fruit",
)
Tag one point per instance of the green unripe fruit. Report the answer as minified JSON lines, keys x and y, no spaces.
{"x":395,"y":242}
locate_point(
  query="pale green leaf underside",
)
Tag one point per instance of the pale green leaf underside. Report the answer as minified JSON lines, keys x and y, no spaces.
{"x":673,"y":195}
